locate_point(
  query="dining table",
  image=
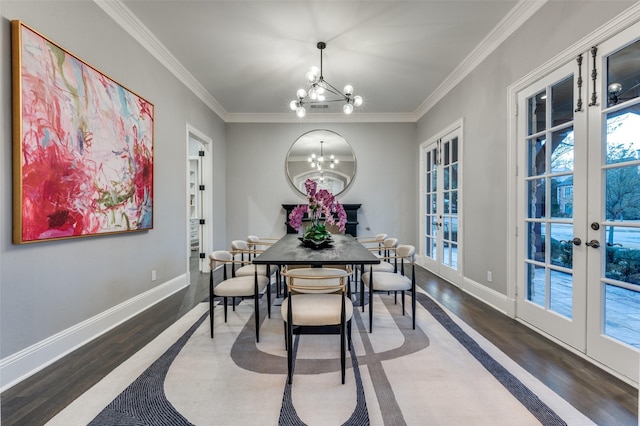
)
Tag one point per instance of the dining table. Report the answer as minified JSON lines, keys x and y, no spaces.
{"x":344,"y":250}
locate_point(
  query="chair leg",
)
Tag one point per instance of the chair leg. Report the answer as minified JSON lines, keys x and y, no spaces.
{"x":233,"y":303}
{"x":403,"y":303}
{"x":257,"y":315}
{"x":286,"y":341}
{"x":349,"y":335}
{"x":269,"y":298}
{"x":362,"y":295}
{"x":224,"y":299}
{"x":342,"y":351}
{"x":289,"y":353}
{"x":395,"y":297}
{"x":211,"y":302}
{"x":413,"y":305}
{"x":370,"y":304}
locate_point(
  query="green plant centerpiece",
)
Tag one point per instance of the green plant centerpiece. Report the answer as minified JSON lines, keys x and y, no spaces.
{"x":320,"y":209}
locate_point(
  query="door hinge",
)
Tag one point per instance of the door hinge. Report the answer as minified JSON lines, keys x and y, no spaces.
{"x":201,"y":153}
{"x":203,"y":255}
{"x":201,"y":221}
{"x":201,"y":187}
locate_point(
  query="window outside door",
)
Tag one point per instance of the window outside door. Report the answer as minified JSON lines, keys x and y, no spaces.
{"x":579,"y":203}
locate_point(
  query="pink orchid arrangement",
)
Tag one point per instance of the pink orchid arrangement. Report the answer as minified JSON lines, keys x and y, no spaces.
{"x":320,"y":203}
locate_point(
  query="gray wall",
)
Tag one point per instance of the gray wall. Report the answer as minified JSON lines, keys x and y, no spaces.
{"x":48,"y":287}
{"x":385,"y":183}
{"x":481,"y":99}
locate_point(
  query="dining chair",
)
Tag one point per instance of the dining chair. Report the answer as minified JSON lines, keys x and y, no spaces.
{"x":372,"y":239}
{"x":393,"y":281}
{"x":240,"y":250}
{"x":260,"y":243}
{"x":388,"y":254}
{"x":239,"y":286}
{"x":316,"y":304}
{"x":376,"y":241}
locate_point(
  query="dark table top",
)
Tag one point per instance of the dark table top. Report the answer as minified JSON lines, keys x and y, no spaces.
{"x":289,"y":250}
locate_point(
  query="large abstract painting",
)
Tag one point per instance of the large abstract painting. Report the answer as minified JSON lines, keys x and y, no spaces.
{"x":83,"y":146}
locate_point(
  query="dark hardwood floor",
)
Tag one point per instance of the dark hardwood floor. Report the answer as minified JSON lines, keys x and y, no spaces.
{"x":603,"y":398}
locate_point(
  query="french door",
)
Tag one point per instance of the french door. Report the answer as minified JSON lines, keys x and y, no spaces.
{"x":579,"y":203}
{"x":441,"y":230}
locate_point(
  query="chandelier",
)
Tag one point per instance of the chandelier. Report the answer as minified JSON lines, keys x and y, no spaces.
{"x":321,"y":91}
{"x":317,"y":162}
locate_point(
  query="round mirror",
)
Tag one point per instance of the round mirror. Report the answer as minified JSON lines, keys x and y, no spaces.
{"x":322,"y":156}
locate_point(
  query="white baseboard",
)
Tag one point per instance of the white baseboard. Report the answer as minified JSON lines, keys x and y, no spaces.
{"x":496,"y":300}
{"x":22,"y":364}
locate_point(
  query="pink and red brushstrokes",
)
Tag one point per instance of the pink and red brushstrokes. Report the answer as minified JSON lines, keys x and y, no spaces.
{"x":86,"y":148}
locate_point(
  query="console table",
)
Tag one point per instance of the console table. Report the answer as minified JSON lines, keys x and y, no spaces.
{"x":350,"y":209}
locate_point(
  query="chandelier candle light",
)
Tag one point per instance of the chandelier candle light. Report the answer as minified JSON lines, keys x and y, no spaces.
{"x":321,"y":91}
{"x":320,"y":203}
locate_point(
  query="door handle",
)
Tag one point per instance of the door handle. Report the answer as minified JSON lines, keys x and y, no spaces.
{"x":593,"y":243}
{"x":576,"y":241}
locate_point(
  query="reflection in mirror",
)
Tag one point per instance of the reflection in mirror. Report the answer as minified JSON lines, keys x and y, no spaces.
{"x":324,"y":157}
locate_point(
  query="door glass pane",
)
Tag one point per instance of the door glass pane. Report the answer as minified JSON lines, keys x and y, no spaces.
{"x":622,"y":314}
{"x":454,"y":256}
{"x":562,"y":150}
{"x":536,"y":199}
{"x":623,"y":74}
{"x":622,"y":189}
{"x":454,"y":176}
{"x":561,"y":293}
{"x":623,"y":135}
{"x":447,"y":178}
{"x":536,"y":289}
{"x":430,"y":247}
{"x":622,"y":261}
{"x":446,"y":153}
{"x":446,"y":223}
{"x":446,"y":255}
{"x":537,"y":157}
{"x":537,"y":113}
{"x":562,"y":102}
{"x":454,"y":229}
{"x":562,"y":196}
{"x":454,"y":202}
{"x":454,"y":150}
{"x":561,"y":244}
{"x":536,"y":234}
{"x":434,"y":180}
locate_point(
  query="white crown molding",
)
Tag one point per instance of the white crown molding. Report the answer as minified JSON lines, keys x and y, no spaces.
{"x":132,"y":25}
{"x":322,"y":118}
{"x":517,"y":16}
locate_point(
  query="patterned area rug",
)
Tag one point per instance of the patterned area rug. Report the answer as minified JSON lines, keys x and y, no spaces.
{"x":441,"y":373}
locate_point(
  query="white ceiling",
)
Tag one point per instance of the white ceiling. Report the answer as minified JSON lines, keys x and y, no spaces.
{"x":246,"y":59}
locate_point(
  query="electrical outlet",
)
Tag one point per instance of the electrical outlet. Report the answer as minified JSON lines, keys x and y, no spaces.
{"x":489,"y":276}
{"x":153,"y":275}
